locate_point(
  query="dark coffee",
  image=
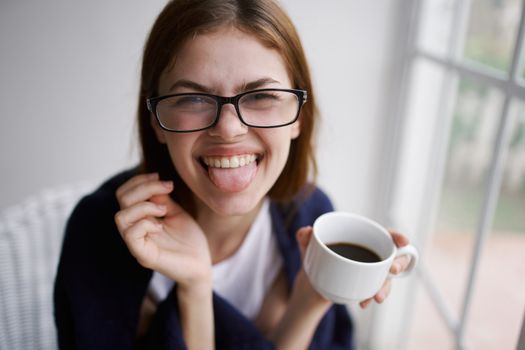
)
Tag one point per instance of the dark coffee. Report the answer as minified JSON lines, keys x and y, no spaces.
{"x":354,"y":252}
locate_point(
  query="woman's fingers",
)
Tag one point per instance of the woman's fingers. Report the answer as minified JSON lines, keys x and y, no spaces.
{"x":399,"y":265}
{"x":364,"y":304}
{"x":140,"y":189}
{"x":384,"y":291}
{"x":303,"y":236}
{"x":143,"y":191}
{"x":130,"y":215}
{"x":380,"y":296}
{"x":400,"y":239}
{"x":140,"y":229}
{"x":172,"y":208}
{"x":135,"y":181}
{"x":136,"y":239}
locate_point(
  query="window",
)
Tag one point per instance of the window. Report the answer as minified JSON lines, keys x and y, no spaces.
{"x":459,"y":183}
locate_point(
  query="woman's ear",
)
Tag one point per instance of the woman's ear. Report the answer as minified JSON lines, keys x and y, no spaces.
{"x":161,"y":137}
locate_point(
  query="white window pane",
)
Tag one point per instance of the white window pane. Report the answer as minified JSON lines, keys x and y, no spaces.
{"x":449,"y":252}
{"x":498,"y":301}
{"x":511,"y":206}
{"x":498,"y":297}
{"x":435,"y":26}
{"x":471,"y":143}
{"x":492,"y":29}
{"x":428,"y":331}
{"x":470,"y":149}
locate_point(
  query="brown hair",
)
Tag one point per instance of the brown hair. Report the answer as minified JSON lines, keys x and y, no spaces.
{"x":182,"y":19}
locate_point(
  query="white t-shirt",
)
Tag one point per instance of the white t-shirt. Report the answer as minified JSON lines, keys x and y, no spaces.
{"x":244,"y":278}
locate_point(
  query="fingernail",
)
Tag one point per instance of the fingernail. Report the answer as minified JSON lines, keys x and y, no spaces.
{"x":167,"y":184}
{"x":161,"y":206}
{"x":153,"y":176}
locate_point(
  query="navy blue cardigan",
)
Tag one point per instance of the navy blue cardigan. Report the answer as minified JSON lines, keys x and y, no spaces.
{"x":100,"y":287}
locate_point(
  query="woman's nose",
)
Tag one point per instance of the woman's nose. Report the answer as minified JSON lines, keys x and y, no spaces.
{"x":229,"y":126}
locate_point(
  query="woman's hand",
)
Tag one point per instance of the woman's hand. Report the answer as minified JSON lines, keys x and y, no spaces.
{"x":399,"y":265}
{"x":159,"y":233}
{"x":163,"y":237}
{"x":305,"y":308}
{"x":302,"y":284}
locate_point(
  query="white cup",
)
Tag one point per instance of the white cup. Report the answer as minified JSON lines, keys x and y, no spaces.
{"x":344,"y":280}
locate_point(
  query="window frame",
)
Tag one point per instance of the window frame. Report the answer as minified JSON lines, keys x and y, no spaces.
{"x":512,"y":86}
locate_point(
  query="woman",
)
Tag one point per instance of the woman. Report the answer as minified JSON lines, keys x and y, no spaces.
{"x":201,"y":246}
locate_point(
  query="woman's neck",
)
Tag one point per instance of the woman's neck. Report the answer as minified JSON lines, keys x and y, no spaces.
{"x":225,"y":234}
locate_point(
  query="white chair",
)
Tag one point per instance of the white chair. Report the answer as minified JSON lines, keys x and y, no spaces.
{"x":30,"y":242}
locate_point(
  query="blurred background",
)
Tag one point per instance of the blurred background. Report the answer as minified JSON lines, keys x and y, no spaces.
{"x":423,"y":129}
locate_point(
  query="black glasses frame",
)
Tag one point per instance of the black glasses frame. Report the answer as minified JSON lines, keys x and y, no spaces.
{"x":152,"y":103}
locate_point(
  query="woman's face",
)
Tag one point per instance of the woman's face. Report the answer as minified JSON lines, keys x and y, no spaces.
{"x":227,"y":62}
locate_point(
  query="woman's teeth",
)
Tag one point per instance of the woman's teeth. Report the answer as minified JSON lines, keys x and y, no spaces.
{"x":229,"y":162}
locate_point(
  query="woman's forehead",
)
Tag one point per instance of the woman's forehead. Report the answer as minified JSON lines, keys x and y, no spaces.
{"x":224,"y":59}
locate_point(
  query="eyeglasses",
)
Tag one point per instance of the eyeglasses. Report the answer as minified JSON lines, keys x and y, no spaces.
{"x":263,"y":108}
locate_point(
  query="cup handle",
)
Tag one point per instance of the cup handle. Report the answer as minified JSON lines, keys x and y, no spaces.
{"x":412,"y":253}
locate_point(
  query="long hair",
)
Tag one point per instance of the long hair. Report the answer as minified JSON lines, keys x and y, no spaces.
{"x":265,"y":20}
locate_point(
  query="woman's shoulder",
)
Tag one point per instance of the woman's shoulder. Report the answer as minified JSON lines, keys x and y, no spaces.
{"x":303,"y":209}
{"x":312,"y":200}
{"x":94,"y":257}
{"x":97,"y":209}
{"x":317,"y":197}
{"x":109,"y":187}
{"x":104,"y":195}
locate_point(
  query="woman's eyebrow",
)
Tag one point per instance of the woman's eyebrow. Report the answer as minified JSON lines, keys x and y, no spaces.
{"x":252,"y":85}
{"x":183,"y":83}
{"x":256,"y":84}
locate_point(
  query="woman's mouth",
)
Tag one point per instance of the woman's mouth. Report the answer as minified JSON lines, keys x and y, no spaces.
{"x":229,"y":162}
{"x":231,"y":173}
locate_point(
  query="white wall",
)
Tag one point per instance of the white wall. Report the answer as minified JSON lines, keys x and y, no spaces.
{"x":348,"y":43}
{"x":69,"y":76}
{"x":69,"y":80}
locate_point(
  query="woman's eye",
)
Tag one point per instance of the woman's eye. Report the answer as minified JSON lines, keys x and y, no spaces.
{"x":260,"y":100}
{"x":191,"y":100}
{"x":262,"y":97}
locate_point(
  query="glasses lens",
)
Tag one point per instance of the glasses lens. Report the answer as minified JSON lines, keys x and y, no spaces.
{"x":269,"y":107}
{"x":187,"y":112}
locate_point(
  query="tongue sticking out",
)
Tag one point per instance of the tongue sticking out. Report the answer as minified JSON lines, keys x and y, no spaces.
{"x":233,"y":179}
